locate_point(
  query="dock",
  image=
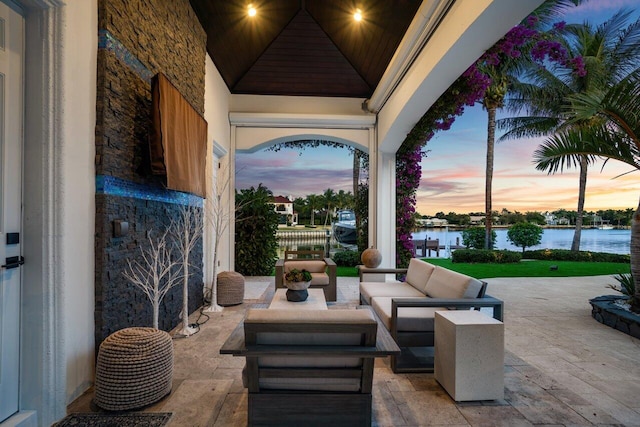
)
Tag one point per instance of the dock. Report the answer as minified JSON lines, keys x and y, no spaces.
{"x":424,"y":247}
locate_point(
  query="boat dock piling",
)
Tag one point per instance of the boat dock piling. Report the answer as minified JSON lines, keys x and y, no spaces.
{"x":424,"y":247}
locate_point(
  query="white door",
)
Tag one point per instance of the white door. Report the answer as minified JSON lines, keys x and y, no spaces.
{"x":11,"y":109}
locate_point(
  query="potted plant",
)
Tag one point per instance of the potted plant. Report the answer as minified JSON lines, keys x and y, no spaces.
{"x":295,"y":278}
{"x":297,"y":283}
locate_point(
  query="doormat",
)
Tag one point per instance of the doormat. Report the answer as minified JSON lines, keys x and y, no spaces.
{"x":104,"y":419}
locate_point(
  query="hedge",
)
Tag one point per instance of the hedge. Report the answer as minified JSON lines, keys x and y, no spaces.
{"x":567,"y":255}
{"x":347,"y":258}
{"x":485,"y":256}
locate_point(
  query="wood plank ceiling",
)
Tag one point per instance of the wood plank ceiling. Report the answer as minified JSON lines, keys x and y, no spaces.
{"x":303,"y":47}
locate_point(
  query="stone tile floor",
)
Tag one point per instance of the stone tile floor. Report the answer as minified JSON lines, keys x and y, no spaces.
{"x":562,"y":368}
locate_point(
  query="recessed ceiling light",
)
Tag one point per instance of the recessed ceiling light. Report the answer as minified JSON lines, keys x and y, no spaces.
{"x":252,"y":10}
{"x":357,"y":15}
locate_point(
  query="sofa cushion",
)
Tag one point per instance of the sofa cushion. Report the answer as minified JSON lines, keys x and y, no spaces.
{"x":445,"y":283}
{"x":319,"y":279}
{"x":312,"y":266}
{"x":419,"y":319}
{"x":473,"y":289}
{"x":358,"y":317}
{"x":418,"y":274}
{"x":387,"y":289}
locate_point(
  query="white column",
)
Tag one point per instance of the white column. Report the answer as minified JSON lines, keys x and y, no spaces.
{"x":373,"y":189}
{"x":386,"y":208}
{"x":232,"y":200}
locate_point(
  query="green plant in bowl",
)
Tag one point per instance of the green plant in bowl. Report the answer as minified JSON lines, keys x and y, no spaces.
{"x":296,"y":275}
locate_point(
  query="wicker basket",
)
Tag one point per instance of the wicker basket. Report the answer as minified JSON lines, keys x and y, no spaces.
{"x":230,"y":288}
{"x":134,"y":369}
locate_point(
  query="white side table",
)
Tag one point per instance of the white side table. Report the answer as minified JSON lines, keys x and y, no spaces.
{"x":469,"y":355}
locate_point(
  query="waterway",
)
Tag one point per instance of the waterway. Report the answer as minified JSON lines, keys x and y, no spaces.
{"x":611,"y":241}
{"x":594,"y":240}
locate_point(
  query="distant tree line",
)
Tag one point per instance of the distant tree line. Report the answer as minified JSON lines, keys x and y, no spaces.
{"x":619,"y":217}
{"x":318,"y":209}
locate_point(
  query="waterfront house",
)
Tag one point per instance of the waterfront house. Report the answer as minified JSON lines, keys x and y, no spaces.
{"x":284,"y":207}
{"x":476,"y":219}
{"x":431,"y":222}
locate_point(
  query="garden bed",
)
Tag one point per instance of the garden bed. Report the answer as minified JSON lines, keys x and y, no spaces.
{"x":606,"y":311}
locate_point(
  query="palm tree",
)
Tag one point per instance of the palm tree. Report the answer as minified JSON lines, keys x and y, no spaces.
{"x":344,"y":200}
{"x":614,"y":133}
{"x":501,"y":64}
{"x":608,"y":52}
{"x":313,"y":201}
{"x":493,"y":99}
{"x":329,"y":197}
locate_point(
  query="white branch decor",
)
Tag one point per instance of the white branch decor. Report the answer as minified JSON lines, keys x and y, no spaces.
{"x":218,"y":216}
{"x":186,"y":231}
{"x":156,"y":273}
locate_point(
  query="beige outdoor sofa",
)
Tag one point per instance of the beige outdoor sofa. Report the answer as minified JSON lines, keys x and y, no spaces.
{"x":309,"y":367}
{"x":407,"y":308}
{"x":323,"y":270}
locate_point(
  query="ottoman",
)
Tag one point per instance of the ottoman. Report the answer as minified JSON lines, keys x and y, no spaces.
{"x":134,"y":369}
{"x":230,"y":288}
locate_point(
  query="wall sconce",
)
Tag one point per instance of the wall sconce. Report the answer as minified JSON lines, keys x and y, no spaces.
{"x":120,"y":228}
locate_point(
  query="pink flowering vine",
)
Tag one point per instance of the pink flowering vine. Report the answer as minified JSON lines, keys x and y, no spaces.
{"x":466,"y":91}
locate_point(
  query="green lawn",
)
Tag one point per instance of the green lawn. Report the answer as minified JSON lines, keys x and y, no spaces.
{"x":347,"y":272}
{"x":533,"y":268}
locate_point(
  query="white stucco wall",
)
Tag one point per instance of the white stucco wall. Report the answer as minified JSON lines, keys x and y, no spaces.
{"x":470,"y":27}
{"x":216,"y":113}
{"x":57,"y":299}
{"x":252,"y":139}
{"x":216,"y":105}
{"x":295,"y":105}
{"x":78,"y":197}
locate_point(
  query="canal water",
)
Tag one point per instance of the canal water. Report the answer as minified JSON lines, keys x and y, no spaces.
{"x":594,"y":240}
{"x":611,"y":241}
{"x":304,"y":240}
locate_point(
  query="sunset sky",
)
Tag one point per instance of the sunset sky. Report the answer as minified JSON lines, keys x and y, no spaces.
{"x":454,"y":182}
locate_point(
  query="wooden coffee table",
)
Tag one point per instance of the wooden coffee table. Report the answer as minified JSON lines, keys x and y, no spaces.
{"x":316,"y":301}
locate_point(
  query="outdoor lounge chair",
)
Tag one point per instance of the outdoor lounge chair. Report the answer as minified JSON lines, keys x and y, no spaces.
{"x":323,"y":270}
{"x":309,"y":367}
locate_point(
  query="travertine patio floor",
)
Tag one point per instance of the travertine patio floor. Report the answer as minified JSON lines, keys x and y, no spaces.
{"x":561,"y":366}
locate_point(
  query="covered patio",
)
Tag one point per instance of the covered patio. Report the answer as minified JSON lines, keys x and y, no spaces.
{"x":88,"y":66}
{"x":561,"y":366}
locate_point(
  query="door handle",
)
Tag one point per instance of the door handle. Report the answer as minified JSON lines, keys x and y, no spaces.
{"x":13,"y":262}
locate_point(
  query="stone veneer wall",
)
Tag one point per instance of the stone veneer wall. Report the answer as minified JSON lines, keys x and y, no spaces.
{"x":137,"y":39}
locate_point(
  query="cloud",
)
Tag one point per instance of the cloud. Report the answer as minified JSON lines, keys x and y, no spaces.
{"x":599,"y":6}
{"x":430,"y":189}
{"x":296,"y":182}
{"x":450,"y":174}
{"x":294,"y":172}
